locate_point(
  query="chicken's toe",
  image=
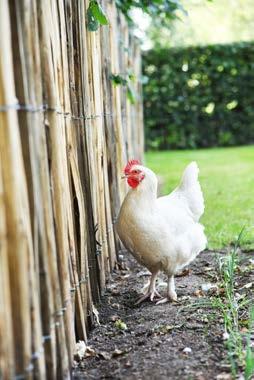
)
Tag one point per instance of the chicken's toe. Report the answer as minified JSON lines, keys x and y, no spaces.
{"x":163,"y":300}
{"x":150,"y":294}
{"x":172,"y":296}
{"x":155,"y":294}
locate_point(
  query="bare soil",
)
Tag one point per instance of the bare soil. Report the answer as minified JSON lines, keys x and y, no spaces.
{"x":179,"y":340}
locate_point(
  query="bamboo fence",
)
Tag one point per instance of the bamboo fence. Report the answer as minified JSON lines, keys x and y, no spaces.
{"x":65,"y":135}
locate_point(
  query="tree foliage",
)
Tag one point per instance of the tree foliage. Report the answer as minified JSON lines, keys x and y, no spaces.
{"x":208,"y":22}
{"x":199,"y":96}
{"x":162,"y":11}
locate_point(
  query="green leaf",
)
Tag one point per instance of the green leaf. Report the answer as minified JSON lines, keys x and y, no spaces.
{"x":117,"y":79}
{"x":92,"y":23}
{"x":131,"y":94}
{"x":98,"y":12}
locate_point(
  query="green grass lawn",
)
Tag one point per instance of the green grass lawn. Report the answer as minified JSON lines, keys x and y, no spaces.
{"x":227,"y":180}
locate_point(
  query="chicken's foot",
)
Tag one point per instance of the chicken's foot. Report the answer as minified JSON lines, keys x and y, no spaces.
{"x":151,"y":291}
{"x":171,"y":293}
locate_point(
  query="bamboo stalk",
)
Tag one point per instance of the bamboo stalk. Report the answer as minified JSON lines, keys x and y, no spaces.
{"x":55,"y":137}
{"x":6,"y":336}
{"x":17,"y":219}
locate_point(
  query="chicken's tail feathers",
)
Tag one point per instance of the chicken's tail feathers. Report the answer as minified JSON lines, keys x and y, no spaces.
{"x":190,"y":188}
{"x":190,"y":175}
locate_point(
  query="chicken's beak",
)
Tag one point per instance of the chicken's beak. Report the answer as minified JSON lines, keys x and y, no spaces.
{"x":124,"y":176}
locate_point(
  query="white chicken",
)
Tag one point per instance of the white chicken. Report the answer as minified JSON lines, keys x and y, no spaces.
{"x":161,"y":233}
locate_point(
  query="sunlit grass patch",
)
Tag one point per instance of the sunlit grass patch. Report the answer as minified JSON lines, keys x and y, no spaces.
{"x":227,"y":180}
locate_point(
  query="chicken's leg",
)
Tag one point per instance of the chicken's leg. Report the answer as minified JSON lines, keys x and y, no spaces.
{"x":171,"y":293}
{"x":151,"y":291}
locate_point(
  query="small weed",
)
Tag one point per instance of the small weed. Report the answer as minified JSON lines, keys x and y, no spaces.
{"x":249,"y":359}
{"x":231,"y":306}
{"x":119,"y":324}
{"x":240,"y":355}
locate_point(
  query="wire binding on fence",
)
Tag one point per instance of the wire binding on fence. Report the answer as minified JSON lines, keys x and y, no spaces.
{"x":59,"y":313}
{"x":46,"y":108}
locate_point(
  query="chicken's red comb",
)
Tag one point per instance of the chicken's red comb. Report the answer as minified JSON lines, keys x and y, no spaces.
{"x":128,"y":167}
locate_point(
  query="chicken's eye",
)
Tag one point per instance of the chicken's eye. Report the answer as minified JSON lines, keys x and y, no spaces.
{"x":135,"y":171}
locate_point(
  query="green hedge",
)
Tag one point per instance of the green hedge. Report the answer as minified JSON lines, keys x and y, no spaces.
{"x":199,"y":96}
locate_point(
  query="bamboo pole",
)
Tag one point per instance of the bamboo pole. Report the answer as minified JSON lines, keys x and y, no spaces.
{"x":15,"y":199}
{"x":56,"y":140}
{"x":72,"y":141}
{"x":6,"y":336}
{"x":88,"y":180}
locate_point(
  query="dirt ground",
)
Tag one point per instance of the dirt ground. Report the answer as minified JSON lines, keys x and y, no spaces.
{"x":179,"y":340}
